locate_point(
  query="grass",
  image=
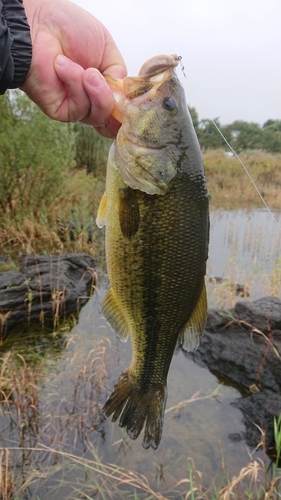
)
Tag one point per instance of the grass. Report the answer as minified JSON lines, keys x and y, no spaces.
{"x":46,"y":230}
{"x":229,"y":185}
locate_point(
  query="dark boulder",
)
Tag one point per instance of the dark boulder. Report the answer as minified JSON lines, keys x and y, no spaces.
{"x":243,"y":346}
{"x":259,"y":410}
{"x":45,"y":288}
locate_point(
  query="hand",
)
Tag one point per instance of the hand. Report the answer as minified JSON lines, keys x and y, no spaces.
{"x":71,"y":50}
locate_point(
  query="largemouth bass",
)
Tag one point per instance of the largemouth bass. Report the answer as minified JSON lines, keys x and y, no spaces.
{"x":157,"y":230}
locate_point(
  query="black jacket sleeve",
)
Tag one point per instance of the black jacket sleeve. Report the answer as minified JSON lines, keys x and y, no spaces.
{"x":15,"y":45}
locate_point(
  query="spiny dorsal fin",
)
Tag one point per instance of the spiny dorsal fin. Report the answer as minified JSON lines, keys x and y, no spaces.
{"x":129,"y":215}
{"x":191,"y":333}
{"x":101,"y":216}
{"x":112,"y":312}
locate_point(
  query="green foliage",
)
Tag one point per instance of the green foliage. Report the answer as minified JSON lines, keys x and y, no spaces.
{"x":271,"y":136}
{"x":34,"y":152}
{"x":208,"y":135}
{"x":245,"y":135}
{"x":91,"y":149}
{"x":240,"y":134}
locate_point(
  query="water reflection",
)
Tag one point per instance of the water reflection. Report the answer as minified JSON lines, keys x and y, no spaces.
{"x":245,"y":247}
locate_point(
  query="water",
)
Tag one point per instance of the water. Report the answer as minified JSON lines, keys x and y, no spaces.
{"x":245,"y":247}
{"x":60,"y":445}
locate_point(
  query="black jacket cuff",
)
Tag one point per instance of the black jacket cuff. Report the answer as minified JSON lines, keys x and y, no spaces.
{"x":15,"y":45}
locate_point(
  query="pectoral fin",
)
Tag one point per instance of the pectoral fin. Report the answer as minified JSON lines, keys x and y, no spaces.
{"x":129,"y":215}
{"x":114,"y":315}
{"x":101,"y":216}
{"x":192,"y":332}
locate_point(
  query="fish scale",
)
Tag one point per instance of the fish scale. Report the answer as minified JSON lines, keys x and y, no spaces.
{"x":156,"y":248}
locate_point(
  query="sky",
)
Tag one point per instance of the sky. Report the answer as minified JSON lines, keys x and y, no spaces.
{"x":231,"y":50}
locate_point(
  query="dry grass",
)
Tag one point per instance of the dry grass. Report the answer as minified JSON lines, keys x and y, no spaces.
{"x":47,"y":230}
{"x":43,"y":231}
{"x":229,"y":185}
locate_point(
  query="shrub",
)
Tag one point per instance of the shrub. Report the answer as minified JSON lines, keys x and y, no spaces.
{"x":34,"y":152}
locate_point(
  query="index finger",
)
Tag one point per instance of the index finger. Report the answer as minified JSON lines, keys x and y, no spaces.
{"x":112,"y":62}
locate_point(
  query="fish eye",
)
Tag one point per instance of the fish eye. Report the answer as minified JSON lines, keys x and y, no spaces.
{"x":170,"y":105}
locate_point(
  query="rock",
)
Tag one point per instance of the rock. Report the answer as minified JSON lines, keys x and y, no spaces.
{"x":46,"y":287}
{"x":237,"y":288}
{"x":265,"y":313}
{"x":244,"y":346}
{"x":259,"y":409}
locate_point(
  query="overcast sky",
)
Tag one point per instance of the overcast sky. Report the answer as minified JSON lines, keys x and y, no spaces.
{"x":231,"y":49}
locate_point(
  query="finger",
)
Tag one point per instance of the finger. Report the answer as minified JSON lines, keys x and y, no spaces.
{"x":75,"y":104}
{"x":112,"y":62}
{"x":100,"y":96}
{"x":110,"y":129}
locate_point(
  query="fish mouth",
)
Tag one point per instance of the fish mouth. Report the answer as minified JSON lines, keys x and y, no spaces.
{"x":152,"y":75}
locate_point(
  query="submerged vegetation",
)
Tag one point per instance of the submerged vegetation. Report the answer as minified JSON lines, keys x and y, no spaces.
{"x":52,"y":178}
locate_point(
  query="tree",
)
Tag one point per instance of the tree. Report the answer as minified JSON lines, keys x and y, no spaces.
{"x":34,"y":152}
{"x":194,"y":117}
{"x":91,"y":149}
{"x":208,"y":135}
{"x":245,"y":135}
{"x":274,"y":125}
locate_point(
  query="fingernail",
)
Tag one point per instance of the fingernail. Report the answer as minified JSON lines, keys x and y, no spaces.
{"x":95,"y":79}
{"x":61,"y":60}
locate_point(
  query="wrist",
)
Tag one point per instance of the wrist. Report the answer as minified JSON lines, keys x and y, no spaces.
{"x":18,"y":45}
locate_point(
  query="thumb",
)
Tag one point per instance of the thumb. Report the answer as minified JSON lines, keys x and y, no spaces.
{"x":100,"y":96}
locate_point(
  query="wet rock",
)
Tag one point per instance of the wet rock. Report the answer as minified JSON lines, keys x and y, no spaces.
{"x":259,"y":410}
{"x":237,"y":288}
{"x":45,"y":287}
{"x":243,"y":345}
{"x":235,"y":437}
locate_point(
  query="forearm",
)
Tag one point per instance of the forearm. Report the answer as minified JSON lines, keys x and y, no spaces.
{"x":15,"y":45}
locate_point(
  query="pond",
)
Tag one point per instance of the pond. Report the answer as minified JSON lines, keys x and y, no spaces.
{"x":245,"y":247}
{"x":55,"y":441}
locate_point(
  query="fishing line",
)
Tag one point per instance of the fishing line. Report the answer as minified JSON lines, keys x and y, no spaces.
{"x":231,"y":149}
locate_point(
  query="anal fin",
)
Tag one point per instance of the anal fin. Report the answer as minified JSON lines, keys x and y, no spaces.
{"x":114,"y":315}
{"x":191,"y":334}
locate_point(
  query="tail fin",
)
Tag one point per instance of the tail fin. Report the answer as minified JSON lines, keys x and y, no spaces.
{"x":136,"y":409}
